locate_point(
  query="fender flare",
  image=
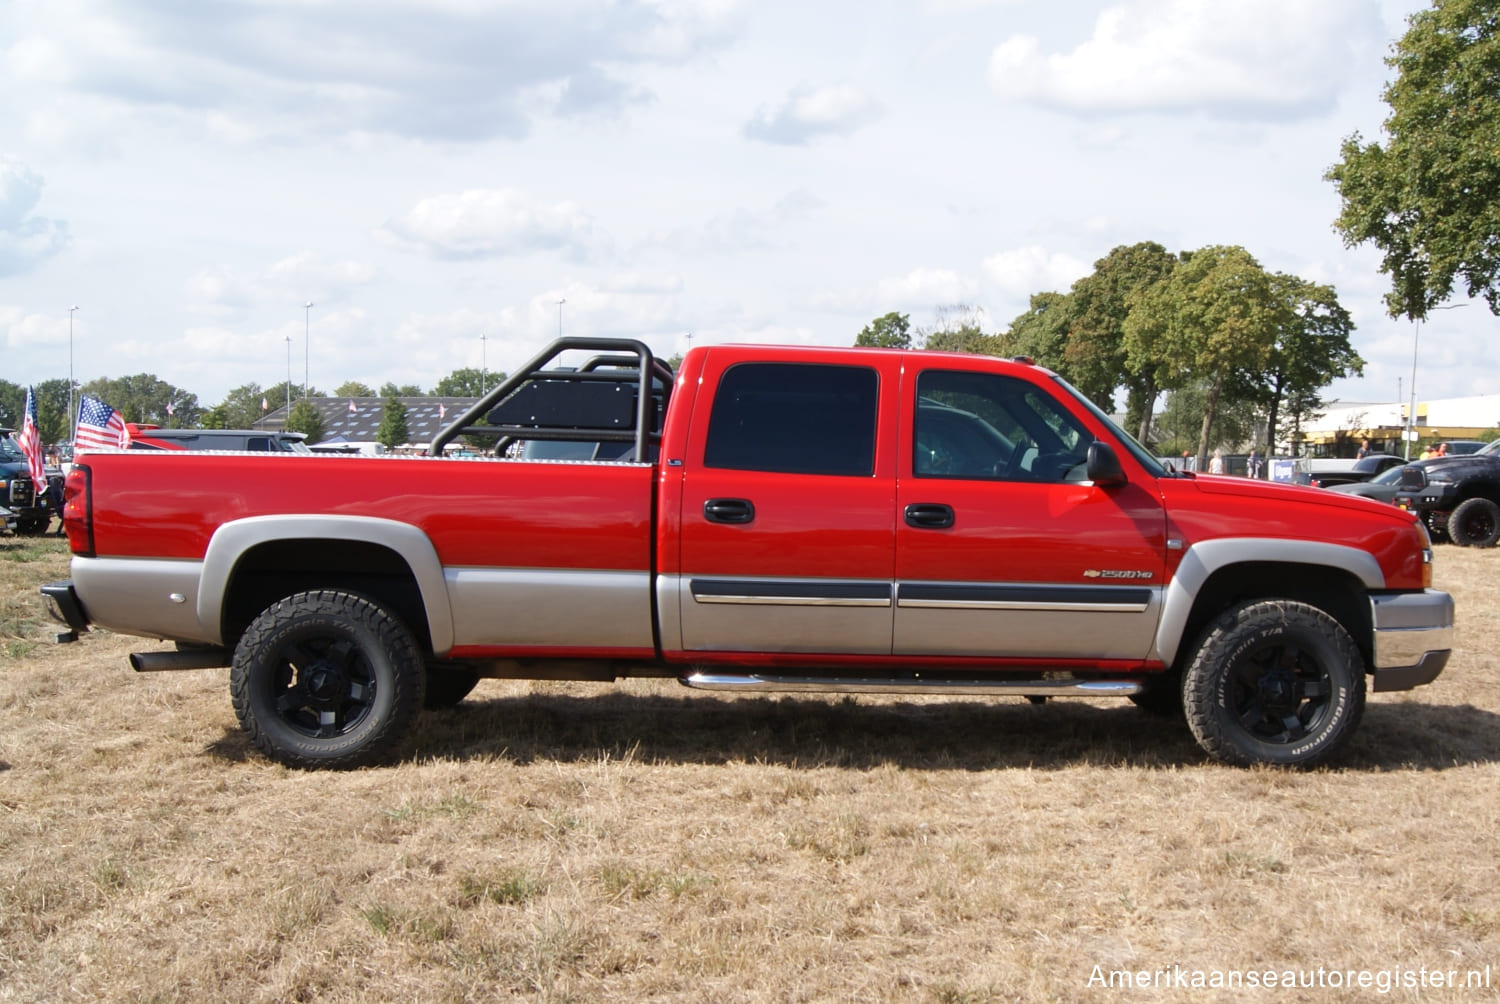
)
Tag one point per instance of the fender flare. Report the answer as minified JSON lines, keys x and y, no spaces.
{"x":1203,"y":559}
{"x":232,"y":540}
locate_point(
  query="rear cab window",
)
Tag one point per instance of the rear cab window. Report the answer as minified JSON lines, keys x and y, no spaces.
{"x":794,"y":418}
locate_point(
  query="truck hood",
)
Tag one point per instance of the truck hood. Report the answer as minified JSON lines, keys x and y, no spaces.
{"x":1274,"y":492}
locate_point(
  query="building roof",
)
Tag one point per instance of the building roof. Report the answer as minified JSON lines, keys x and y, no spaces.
{"x":357,"y":419}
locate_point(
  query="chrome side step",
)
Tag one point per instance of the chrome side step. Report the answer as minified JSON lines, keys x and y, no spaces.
{"x":910,"y":685}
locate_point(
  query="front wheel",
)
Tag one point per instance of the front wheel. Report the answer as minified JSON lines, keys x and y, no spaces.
{"x":1475,"y":523}
{"x":1274,"y":682}
{"x":326,"y":679}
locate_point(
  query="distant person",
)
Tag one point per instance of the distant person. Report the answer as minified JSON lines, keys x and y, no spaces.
{"x":1442,"y":449}
{"x":1216,"y":465}
{"x":1363,"y":451}
{"x":1428,"y":452}
{"x":1252,"y":465}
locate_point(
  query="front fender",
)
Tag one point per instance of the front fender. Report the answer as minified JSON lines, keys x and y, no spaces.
{"x":1202,"y":560}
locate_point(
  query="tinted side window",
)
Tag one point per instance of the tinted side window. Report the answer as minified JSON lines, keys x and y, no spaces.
{"x":794,"y":418}
{"x":982,"y":425}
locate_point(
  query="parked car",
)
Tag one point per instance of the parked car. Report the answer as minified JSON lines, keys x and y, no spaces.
{"x":26,"y":502}
{"x":1459,"y":447}
{"x":1456,"y":496}
{"x":1364,"y":469}
{"x":1381,"y":488}
{"x":223,"y":440}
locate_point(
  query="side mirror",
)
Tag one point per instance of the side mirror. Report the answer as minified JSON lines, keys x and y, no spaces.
{"x":1104,"y":467}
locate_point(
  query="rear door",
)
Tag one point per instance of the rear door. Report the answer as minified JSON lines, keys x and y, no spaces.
{"x":788,"y":505}
{"x":1004,"y":549}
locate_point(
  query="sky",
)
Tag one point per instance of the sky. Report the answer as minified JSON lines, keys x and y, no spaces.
{"x":449,"y":183}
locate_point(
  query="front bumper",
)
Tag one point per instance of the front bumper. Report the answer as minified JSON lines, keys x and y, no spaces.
{"x":65,"y":608}
{"x":1413,"y":638}
{"x":1438,"y":497}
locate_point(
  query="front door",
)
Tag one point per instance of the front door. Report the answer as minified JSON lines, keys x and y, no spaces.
{"x":1003,"y":547}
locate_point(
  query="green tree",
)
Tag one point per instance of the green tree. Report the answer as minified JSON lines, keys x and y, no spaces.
{"x":960,"y":328}
{"x":1041,"y":333}
{"x":353,"y":388}
{"x":389,"y":389}
{"x":392,"y":432}
{"x":304,"y":418}
{"x":144,"y":398}
{"x":889,"y":331}
{"x":1180,"y":423}
{"x":12,"y":404}
{"x":1429,"y":199}
{"x":467,"y":381}
{"x":1096,"y":360}
{"x":1214,"y":318}
{"x":241,"y":408}
{"x":1310,"y":351}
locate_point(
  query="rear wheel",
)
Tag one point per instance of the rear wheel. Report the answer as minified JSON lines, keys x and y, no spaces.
{"x":1274,"y":682}
{"x":1475,"y":523}
{"x":326,"y":679}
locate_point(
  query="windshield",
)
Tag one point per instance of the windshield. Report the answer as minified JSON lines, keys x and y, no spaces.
{"x":1388,"y":477}
{"x":1139,"y":452}
{"x":10,"y":450}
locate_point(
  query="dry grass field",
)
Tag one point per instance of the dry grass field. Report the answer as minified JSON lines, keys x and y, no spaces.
{"x":590,"y":843}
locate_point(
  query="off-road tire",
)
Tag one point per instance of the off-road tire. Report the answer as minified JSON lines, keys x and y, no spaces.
{"x":326,"y":679}
{"x":1475,"y":523}
{"x":1274,"y":682}
{"x":447,"y":685}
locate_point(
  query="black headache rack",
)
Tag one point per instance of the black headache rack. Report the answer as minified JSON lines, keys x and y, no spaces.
{"x":619,"y":396}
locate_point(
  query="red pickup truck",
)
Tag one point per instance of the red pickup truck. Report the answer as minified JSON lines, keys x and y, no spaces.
{"x":766,"y":518}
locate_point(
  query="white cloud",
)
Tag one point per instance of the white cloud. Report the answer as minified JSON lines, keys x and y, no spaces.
{"x":808,"y":113}
{"x":221,"y":289}
{"x":1272,"y":58}
{"x":456,"y":71}
{"x":1022,"y":271}
{"x":491,"y":223}
{"x":926,"y":287}
{"x":25,"y":240}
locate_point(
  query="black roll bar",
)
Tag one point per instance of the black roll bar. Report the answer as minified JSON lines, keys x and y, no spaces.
{"x":624,"y":353}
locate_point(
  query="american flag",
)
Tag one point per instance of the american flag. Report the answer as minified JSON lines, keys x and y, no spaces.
{"x":100,"y":427}
{"x":31,"y":444}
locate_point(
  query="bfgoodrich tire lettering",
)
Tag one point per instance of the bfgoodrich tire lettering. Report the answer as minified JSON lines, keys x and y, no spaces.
{"x":1274,"y":682}
{"x":326,"y":679}
{"x":1475,"y":523}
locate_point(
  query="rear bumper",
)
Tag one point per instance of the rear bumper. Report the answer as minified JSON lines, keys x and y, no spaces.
{"x":64,"y":607}
{"x":1413,"y":638}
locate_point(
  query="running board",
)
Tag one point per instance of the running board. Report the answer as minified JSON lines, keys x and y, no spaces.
{"x":912,"y":685}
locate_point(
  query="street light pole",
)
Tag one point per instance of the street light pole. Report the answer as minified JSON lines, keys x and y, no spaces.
{"x":288,"y":380}
{"x":306,"y":351}
{"x":559,"y":316}
{"x":483,"y":365}
{"x":1411,"y":415}
{"x":72,"y":415}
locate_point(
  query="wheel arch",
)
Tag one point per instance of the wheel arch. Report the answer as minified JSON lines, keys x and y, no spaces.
{"x":252,"y":562}
{"x":1214,"y":575}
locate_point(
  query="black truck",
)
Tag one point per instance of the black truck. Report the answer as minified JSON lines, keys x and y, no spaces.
{"x":1457,"y":497}
{"x":26,"y":501}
